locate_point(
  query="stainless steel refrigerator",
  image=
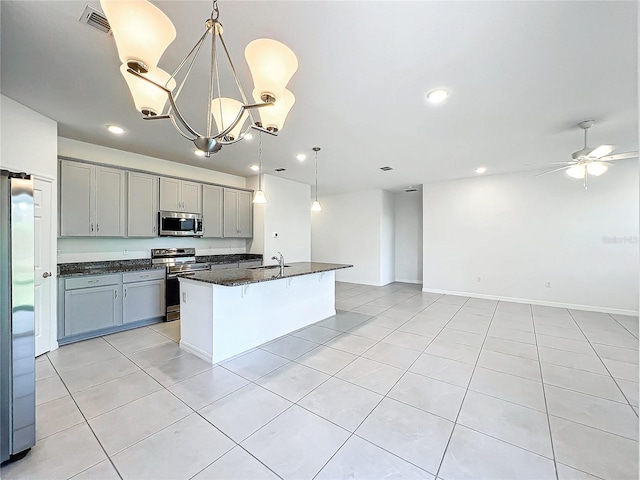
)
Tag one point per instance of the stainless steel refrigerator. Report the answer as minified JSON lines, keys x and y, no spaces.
{"x":17,"y":362}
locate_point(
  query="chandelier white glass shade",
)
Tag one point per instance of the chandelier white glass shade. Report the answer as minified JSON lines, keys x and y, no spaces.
{"x":224,"y":111}
{"x":148,"y":98}
{"x":315,"y":206}
{"x":273,"y":118}
{"x":577,"y":171}
{"x":143,"y":32}
{"x":272,"y":65}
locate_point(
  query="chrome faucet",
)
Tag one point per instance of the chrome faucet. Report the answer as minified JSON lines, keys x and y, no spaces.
{"x":280,"y":260}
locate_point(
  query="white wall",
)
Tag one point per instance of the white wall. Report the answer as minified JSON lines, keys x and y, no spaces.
{"x":518,"y":232}
{"x":387,"y":239}
{"x":88,"y":249}
{"x":349,"y":229}
{"x":408,"y":237}
{"x":287,"y":214}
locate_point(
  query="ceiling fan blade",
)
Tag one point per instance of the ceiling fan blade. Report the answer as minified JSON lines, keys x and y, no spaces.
{"x":554,"y":170}
{"x":563,"y":163}
{"x":601,"y":151}
{"x":619,"y":156}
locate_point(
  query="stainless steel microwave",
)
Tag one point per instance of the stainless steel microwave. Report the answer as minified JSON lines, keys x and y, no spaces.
{"x":179,"y":224}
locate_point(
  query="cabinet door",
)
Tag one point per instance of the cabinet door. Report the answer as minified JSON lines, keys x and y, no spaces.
{"x":143,"y":301}
{"x":191,"y":197}
{"x":76,"y":200}
{"x":212,"y":211}
{"x":230,"y":213}
{"x":142,"y":205}
{"x":170,"y":194}
{"x":110,"y":196}
{"x":88,"y":309}
{"x":245,"y":217}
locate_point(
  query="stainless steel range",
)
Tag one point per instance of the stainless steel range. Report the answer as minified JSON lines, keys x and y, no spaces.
{"x":177,"y":260}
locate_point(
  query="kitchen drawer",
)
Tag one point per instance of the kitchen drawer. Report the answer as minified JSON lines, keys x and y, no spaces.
{"x":144,"y":275}
{"x":224,"y":266}
{"x":92,"y":281}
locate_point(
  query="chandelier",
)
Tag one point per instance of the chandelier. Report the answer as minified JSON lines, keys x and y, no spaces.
{"x":143,"y":32}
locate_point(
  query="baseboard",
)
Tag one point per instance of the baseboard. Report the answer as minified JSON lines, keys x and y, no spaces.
{"x":415,"y":282}
{"x":197,"y":352}
{"x":587,"y":308}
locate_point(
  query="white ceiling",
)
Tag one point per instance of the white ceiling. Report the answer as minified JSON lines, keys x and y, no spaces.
{"x":522,"y":75}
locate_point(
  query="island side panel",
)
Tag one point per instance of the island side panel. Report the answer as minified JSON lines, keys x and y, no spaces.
{"x":196,"y":318}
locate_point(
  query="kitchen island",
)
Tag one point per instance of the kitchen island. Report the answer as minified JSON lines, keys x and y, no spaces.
{"x":224,"y":313}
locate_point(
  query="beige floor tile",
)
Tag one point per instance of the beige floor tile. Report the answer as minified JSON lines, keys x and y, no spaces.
{"x":428,"y":394}
{"x":207,"y":387}
{"x":370,"y":374}
{"x":55,"y":416}
{"x":236,"y":464}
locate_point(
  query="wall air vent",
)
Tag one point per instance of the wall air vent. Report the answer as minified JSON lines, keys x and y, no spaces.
{"x":280,"y":169}
{"x":410,"y":189}
{"x":95,"y":19}
{"x":386,"y":169}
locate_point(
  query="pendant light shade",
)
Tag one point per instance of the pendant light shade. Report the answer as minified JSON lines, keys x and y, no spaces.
{"x":224,"y":111}
{"x":259,"y":197}
{"x":596,"y":168}
{"x":315,"y":206}
{"x":148,"y":98}
{"x":272,"y":65}
{"x":577,"y":171}
{"x":141,"y":31}
{"x":273,"y":116}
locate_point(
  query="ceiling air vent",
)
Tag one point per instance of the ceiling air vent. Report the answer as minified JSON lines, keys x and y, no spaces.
{"x":386,"y":169}
{"x":410,"y":189}
{"x":280,"y":169}
{"x":95,"y":19}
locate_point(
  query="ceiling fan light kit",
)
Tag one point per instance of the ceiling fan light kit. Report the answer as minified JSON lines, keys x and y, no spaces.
{"x":590,"y":161}
{"x":143,"y":32}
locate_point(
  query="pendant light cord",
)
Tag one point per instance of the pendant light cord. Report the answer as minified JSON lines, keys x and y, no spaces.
{"x":260,"y":161}
{"x":317,"y":175}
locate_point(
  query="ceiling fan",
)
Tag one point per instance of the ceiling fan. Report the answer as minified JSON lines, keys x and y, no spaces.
{"x":588,"y":160}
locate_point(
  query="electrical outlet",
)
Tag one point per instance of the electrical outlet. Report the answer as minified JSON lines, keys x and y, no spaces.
{"x":125,"y":252}
{"x":275,"y":234}
{"x":547,"y":284}
{"x":479,"y":279}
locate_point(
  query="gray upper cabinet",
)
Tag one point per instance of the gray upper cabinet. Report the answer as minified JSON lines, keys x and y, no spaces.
{"x":142,"y":205}
{"x":238,"y":213}
{"x":212,"y":211}
{"x":92,"y":200}
{"x":180,"y":195}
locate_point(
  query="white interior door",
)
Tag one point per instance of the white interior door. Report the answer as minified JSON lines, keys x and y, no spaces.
{"x":44,"y":278}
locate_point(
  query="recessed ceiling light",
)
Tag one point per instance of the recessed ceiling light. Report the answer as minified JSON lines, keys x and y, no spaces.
{"x":438,"y":95}
{"x":255,"y":168}
{"x":198,"y":153}
{"x":301,"y":156}
{"x":248,"y":136}
{"x":481,"y":170}
{"x":115,"y":129}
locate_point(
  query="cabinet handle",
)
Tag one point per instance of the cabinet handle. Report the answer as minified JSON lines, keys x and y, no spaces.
{"x":125,"y":293}
{"x":93,"y":281}
{"x":98,"y":227}
{"x":144,"y":276}
{"x":116,"y":293}
{"x":92,"y":227}
{"x":154,"y":229}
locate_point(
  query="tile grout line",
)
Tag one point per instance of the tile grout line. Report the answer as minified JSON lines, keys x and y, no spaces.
{"x":544,"y":395}
{"x":455,"y":421}
{"x":602,"y":361}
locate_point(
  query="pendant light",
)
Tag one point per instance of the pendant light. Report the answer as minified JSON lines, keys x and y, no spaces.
{"x":315,"y":206}
{"x":259,"y":195}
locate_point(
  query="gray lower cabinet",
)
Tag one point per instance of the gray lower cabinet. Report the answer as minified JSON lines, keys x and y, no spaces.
{"x":143,"y":300}
{"x":94,"y":305}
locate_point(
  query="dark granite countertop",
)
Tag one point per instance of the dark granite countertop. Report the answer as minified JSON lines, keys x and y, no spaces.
{"x":228,"y":258}
{"x":245,"y":276}
{"x":101,"y":268}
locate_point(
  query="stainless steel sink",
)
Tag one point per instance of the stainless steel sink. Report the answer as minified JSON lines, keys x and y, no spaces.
{"x":266,"y":267}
